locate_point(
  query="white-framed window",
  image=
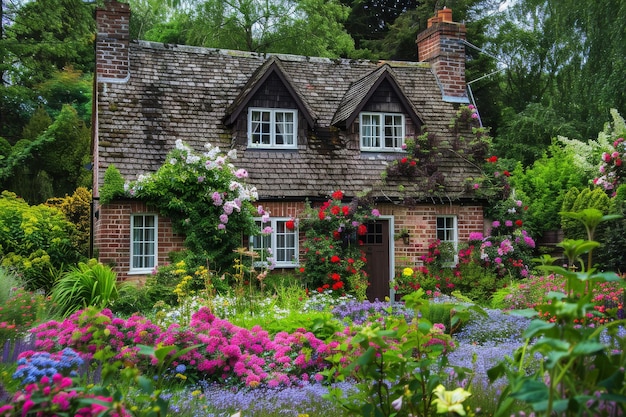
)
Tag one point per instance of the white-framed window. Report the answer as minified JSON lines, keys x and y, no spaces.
{"x":280,"y":247}
{"x":143,"y":242}
{"x":447,"y":234}
{"x":381,"y":131}
{"x":272,"y":128}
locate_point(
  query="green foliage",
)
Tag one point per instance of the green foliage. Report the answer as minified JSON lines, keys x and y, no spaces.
{"x":77,"y":210}
{"x":576,"y":201}
{"x":38,"y":123}
{"x":204,"y":196}
{"x":543,"y":186}
{"x":68,"y":87}
{"x":18,"y":313}
{"x":412,"y":355}
{"x":88,"y":284}
{"x":562,"y":382}
{"x":113,"y":185}
{"x":334,"y":260}
{"x":310,"y":27}
{"x":36,"y":241}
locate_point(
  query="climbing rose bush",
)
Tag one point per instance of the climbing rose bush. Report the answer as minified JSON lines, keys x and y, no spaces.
{"x":206,"y":198}
{"x":334,"y":261}
{"x":612,"y":167}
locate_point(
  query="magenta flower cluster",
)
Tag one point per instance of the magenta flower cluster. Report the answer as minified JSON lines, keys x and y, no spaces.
{"x":226,"y":352}
{"x":57,"y":393}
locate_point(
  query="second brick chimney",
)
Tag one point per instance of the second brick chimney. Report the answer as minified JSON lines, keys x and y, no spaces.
{"x":442,"y":45}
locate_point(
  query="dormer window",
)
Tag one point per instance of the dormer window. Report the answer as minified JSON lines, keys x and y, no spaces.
{"x":272,"y":128}
{"x":382,"y":131}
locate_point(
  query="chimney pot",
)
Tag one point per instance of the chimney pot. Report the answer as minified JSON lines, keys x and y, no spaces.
{"x":445,"y":15}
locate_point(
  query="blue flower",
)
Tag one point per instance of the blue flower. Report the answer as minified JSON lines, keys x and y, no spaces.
{"x":181,"y":369}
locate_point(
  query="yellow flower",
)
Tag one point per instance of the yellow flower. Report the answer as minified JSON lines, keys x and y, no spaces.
{"x":450,"y":401}
{"x":407,"y":272}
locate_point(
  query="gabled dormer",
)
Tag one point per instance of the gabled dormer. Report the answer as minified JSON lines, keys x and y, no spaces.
{"x":270,"y":109}
{"x":379,"y":107}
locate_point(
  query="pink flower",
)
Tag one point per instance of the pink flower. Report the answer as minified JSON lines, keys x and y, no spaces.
{"x":375,"y":213}
{"x":476,"y":186}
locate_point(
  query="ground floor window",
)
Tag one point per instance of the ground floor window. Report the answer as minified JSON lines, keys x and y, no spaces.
{"x":447,"y":234}
{"x":276,"y":243}
{"x":143,"y":245}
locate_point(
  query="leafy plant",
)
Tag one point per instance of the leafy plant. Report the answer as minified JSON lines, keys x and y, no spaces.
{"x":35,"y":241}
{"x":88,"y":284}
{"x":206,"y":199}
{"x":334,"y":260}
{"x":399,"y":367}
{"x":112,"y":186}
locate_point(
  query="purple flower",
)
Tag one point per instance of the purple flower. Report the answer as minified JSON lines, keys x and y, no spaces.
{"x":221,"y":226}
{"x":508,"y":223}
{"x":476,"y":236}
{"x":375,"y":213}
{"x":217,"y":198}
{"x":495,"y":223}
{"x":224,"y":218}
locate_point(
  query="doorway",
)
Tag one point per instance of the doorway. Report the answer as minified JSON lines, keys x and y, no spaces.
{"x":376,"y":248}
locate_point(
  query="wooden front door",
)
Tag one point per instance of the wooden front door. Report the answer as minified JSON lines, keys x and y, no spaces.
{"x":376,"y":250}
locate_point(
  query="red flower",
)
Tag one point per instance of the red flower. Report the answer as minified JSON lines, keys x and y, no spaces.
{"x":413,"y":163}
{"x":337,"y":285}
{"x":506,"y":173}
{"x":492,"y":159}
{"x":345,"y":210}
{"x":334,"y":259}
{"x":321,"y":214}
{"x":335,"y":210}
{"x":350,"y":261}
{"x":519,"y":223}
{"x":362,"y":229}
{"x":302,"y":270}
{"x":290,"y":225}
{"x":404,"y":160}
{"x":335,"y":276}
{"x":337,"y":195}
{"x":336,"y":234}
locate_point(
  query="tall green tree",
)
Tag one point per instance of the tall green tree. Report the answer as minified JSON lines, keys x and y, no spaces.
{"x":567,"y":57}
{"x":304,"y":27}
{"x":39,"y":39}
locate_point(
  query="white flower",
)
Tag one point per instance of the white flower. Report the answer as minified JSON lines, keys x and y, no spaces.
{"x":192,"y":159}
{"x":179,"y":145}
{"x":397,"y":404}
{"x":234,"y":185}
{"x":173,"y":161}
{"x":232,"y":154}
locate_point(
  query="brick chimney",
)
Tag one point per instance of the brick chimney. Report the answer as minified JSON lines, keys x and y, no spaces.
{"x":441,"y":45}
{"x":112,"y":23}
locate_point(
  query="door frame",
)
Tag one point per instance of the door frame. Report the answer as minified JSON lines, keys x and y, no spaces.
{"x":392,"y":251}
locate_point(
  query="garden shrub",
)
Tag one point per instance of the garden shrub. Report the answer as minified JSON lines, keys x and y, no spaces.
{"x":112,"y":186}
{"x":35,"y":240}
{"x":18,"y":313}
{"x":577,"y":200}
{"x":77,"y":210}
{"x":333,"y":259}
{"x":206,"y":199}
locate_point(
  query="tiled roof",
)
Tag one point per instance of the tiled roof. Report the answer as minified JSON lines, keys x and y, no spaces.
{"x":182,"y":92}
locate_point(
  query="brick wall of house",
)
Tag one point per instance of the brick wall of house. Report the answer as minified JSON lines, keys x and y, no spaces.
{"x":112,"y":237}
{"x":113,"y":230}
{"x":421,"y":222}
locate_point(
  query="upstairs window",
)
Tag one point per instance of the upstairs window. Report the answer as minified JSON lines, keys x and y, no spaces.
{"x":143,"y":244}
{"x":382,"y":131}
{"x":279,"y":247}
{"x":272,"y":128}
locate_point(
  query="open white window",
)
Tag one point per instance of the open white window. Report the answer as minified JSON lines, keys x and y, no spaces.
{"x":381,"y":131}
{"x":143,"y":243}
{"x":280,"y":247}
{"x":272,"y":128}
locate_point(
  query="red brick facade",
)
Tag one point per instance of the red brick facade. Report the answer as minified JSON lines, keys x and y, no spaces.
{"x":112,"y":237}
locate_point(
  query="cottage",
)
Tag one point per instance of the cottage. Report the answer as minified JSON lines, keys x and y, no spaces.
{"x":302,"y":127}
